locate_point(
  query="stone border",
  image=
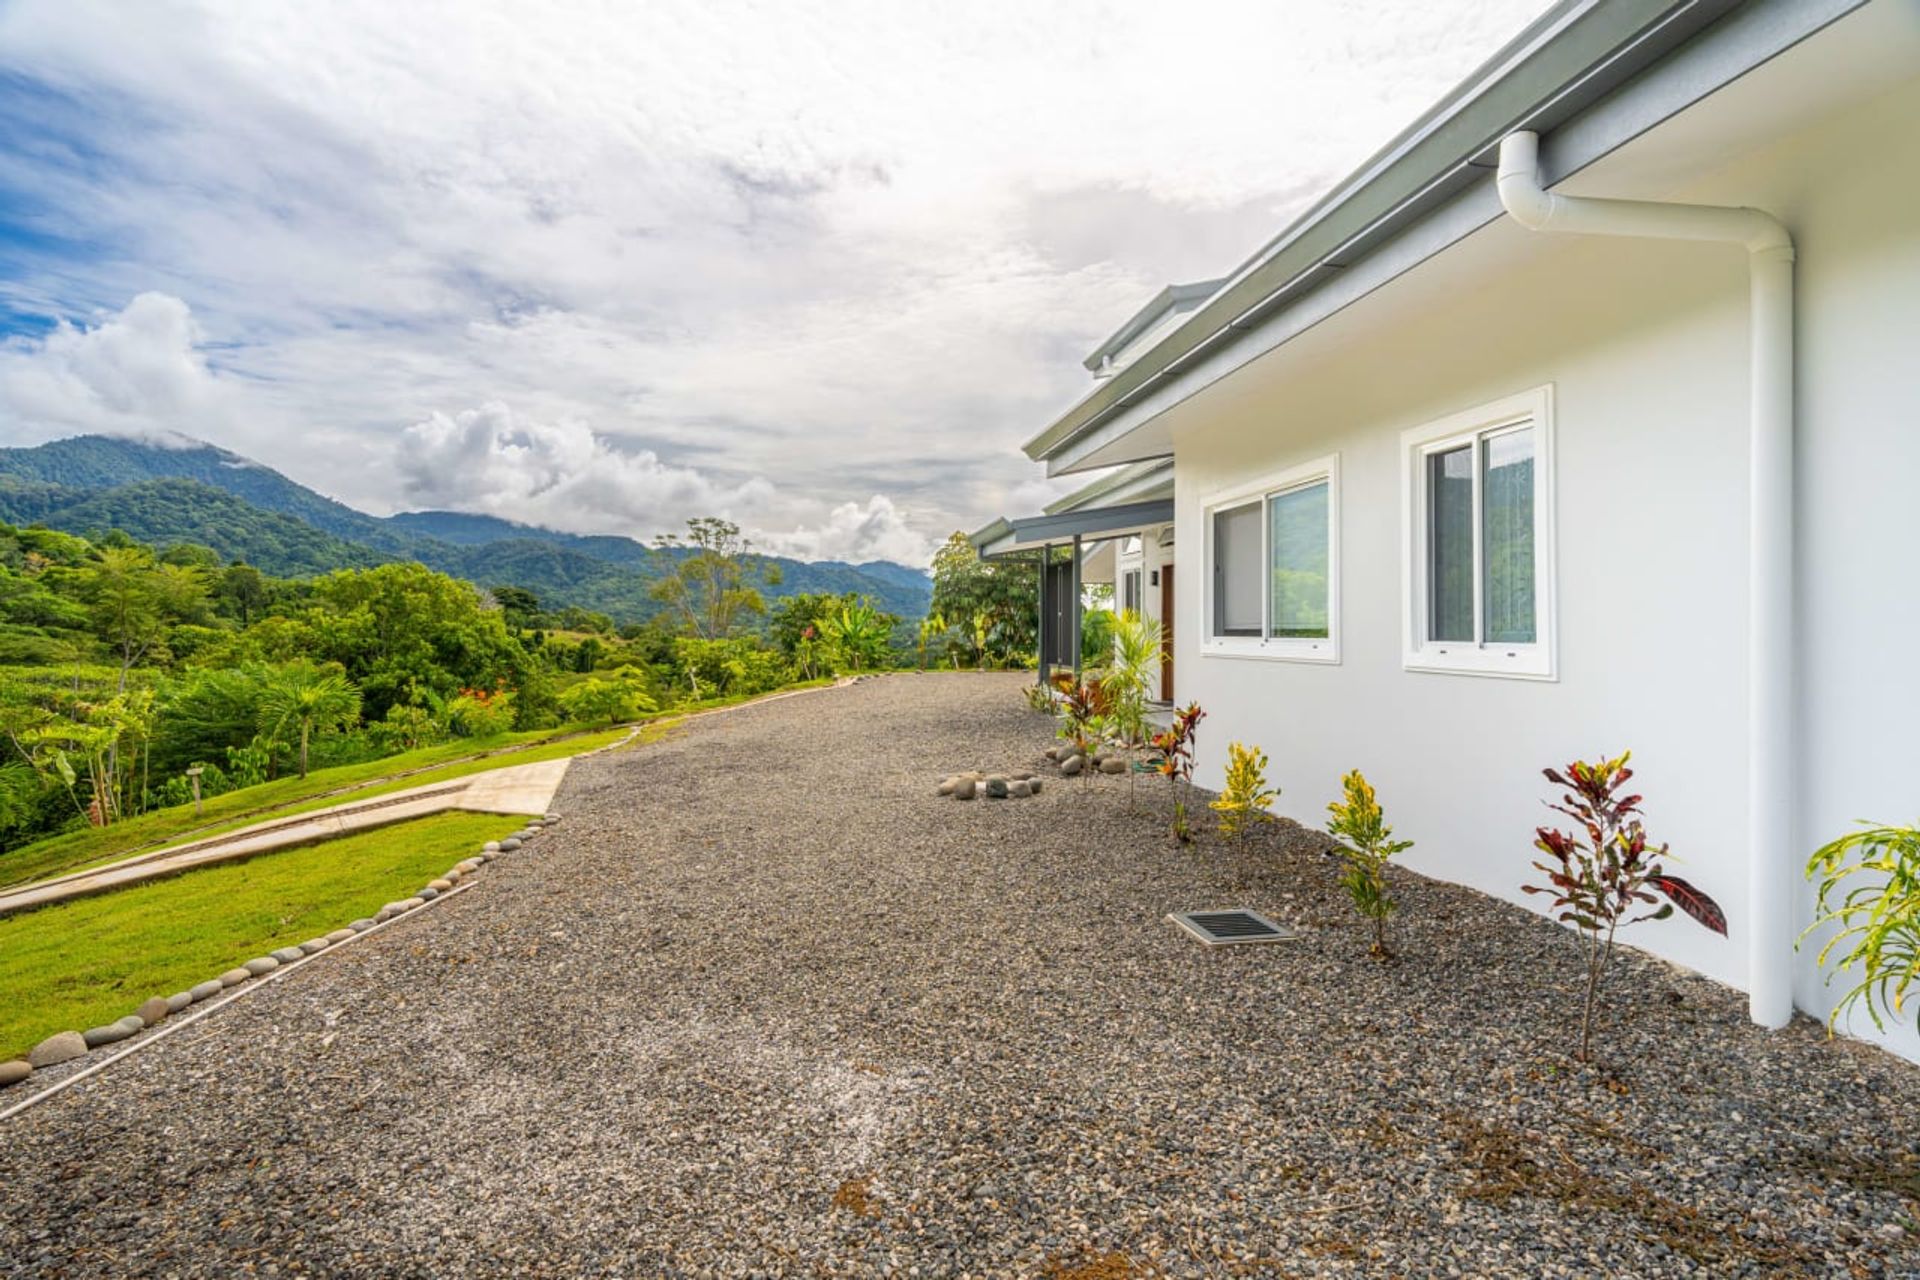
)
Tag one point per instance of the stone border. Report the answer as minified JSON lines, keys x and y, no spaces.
{"x":67,"y":1046}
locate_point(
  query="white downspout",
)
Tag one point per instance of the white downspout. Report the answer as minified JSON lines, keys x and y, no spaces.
{"x":1770,"y":780}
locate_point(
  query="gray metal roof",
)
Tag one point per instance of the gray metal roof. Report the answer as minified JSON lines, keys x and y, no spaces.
{"x":1005,"y":536}
{"x":1589,"y":75}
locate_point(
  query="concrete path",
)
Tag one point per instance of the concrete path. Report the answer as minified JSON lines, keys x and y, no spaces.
{"x":517,"y":789}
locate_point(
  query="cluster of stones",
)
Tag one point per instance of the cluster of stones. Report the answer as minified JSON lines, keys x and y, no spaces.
{"x":1073,"y":761}
{"x":994,"y":786}
{"x":68,"y":1045}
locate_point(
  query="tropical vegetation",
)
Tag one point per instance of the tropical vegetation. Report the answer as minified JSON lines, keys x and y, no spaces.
{"x":1357,"y":821}
{"x":1869,"y":894}
{"x":1604,"y":874}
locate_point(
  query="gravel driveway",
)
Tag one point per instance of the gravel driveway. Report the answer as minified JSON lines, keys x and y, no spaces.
{"x":764,"y":1005}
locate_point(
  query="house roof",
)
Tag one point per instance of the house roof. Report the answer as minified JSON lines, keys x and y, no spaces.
{"x":1003,"y":537}
{"x":1589,"y":75}
{"x":1135,"y":482}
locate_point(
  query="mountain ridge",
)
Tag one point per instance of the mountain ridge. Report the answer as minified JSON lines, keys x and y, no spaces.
{"x":185,"y":490}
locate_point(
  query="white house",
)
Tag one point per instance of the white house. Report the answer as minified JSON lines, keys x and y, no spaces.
{"x":1471,"y":479}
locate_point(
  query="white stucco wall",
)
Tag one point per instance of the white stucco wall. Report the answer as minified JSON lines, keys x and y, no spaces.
{"x":1645,"y":346}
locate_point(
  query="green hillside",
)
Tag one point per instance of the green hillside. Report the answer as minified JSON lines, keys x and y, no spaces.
{"x":184,"y":491}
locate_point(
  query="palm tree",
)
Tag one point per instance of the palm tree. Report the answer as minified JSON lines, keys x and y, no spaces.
{"x":302,"y":696}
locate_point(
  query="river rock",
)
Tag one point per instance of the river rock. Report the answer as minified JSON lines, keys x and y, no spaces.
{"x":56,"y":1049}
{"x":152,"y":1009}
{"x":429,"y":893}
{"x":1113,"y":764}
{"x":441,"y":885}
{"x":361,"y":925}
{"x":342,"y":935}
{"x":287,"y":955}
{"x":509,"y":844}
{"x":178,"y":1001}
{"x":1071,"y":766}
{"x":209,"y":989}
{"x":1033,"y":786}
{"x":963,"y":789}
{"x":14,"y":1072}
{"x":234,"y":977}
{"x":997,"y":788}
{"x":467,"y":868}
{"x":112,"y":1033}
{"x":946,"y":788}
{"x":313,"y":946}
{"x":491,"y":846}
{"x":1017,"y":789}
{"x":260,"y":966}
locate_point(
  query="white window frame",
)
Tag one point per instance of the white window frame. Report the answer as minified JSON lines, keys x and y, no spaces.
{"x":1269,"y":647}
{"x":1536,"y":661}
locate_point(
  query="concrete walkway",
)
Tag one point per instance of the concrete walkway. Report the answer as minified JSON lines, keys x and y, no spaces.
{"x":517,"y":789}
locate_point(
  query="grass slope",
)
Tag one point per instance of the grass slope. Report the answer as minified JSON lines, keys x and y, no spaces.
{"x":89,"y":846}
{"x":86,"y":962}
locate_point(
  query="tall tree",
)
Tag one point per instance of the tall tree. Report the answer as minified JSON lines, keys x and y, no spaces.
{"x":301,"y":698}
{"x":132,"y":599}
{"x":999,"y":598}
{"x":713,"y":578}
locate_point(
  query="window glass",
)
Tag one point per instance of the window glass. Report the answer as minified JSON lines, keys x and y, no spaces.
{"x":1297,"y":524}
{"x":1236,"y":571}
{"x":1450,"y":544}
{"x":1506,"y":525}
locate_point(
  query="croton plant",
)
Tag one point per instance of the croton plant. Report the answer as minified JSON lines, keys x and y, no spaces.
{"x":1605,"y":874}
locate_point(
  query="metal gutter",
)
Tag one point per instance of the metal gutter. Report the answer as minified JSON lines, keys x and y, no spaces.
{"x":1148,"y":316}
{"x":1428,"y":188}
{"x":1130,"y":481}
{"x":1004,"y":537}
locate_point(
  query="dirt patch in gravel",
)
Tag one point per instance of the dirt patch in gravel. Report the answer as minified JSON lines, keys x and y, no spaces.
{"x":763,"y":1004}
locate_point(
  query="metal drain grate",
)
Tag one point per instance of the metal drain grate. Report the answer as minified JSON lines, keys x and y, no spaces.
{"x":1225,"y":928}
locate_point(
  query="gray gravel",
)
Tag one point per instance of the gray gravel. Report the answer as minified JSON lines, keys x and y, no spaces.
{"x":765,"y":1005}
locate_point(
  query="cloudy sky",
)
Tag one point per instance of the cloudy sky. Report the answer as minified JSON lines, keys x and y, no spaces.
{"x":817,"y":266}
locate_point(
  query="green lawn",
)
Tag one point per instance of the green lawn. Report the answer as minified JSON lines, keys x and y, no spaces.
{"x":86,"y":962}
{"x":91,"y":846}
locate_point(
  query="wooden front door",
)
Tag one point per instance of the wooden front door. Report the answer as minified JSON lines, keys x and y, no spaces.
{"x":1166,"y":633}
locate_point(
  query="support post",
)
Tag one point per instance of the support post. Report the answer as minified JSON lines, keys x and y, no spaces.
{"x":1074,"y":629}
{"x":1046,"y":655}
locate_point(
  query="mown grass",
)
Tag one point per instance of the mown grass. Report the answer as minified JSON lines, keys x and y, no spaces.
{"x":92,"y":846}
{"x":82,"y":963}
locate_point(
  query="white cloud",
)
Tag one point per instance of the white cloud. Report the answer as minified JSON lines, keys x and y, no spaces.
{"x":839,"y":249}
{"x":559,"y":475}
{"x":138,"y":371}
{"x":855,"y":533}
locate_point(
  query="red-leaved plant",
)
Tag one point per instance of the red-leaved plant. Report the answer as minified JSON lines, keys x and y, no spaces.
{"x":1600,"y":882}
{"x":1175,"y":745}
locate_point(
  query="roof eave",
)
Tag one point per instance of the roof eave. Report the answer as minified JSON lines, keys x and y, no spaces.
{"x":1575,"y":55}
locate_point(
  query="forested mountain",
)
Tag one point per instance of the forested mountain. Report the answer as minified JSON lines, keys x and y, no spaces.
{"x":179,"y":490}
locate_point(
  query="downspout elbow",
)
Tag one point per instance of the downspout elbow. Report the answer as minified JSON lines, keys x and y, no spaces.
{"x":1521,"y":195}
{"x":1530,"y":204}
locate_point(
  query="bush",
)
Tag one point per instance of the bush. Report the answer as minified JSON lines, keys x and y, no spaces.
{"x":1246,"y":799}
{"x":624,"y":697}
{"x":1366,"y":844}
{"x":1870,"y":889}
{"x":481,"y":713}
{"x":407,"y":728}
{"x":1596,"y":883}
{"x":729,"y":668}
